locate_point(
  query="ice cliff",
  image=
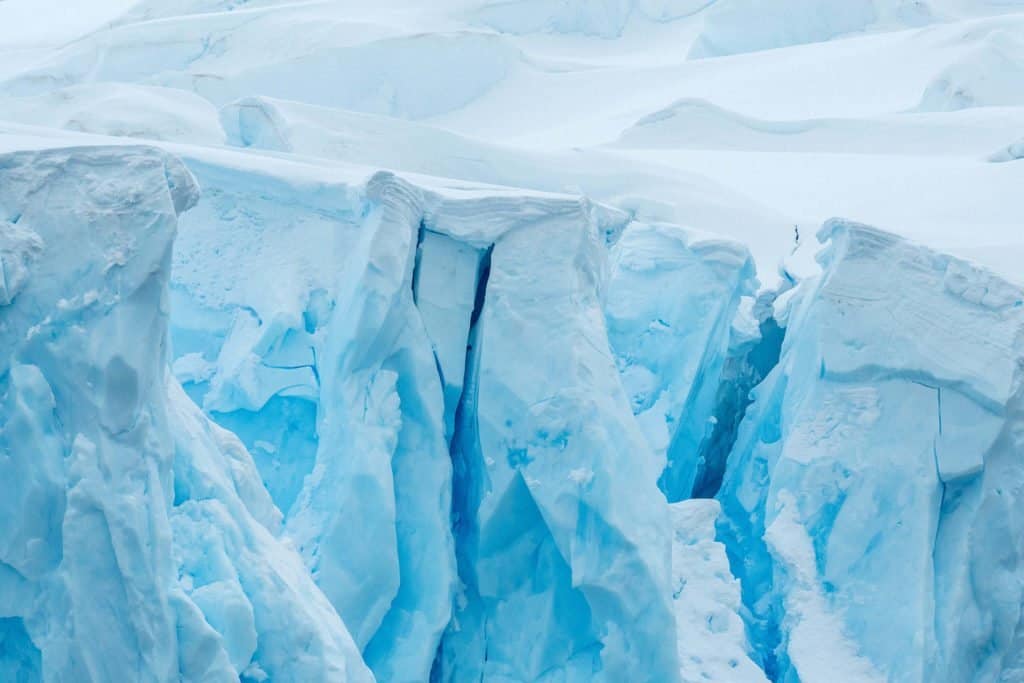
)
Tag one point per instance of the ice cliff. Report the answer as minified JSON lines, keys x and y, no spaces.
{"x":304,"y":421}
{"x":872,"y":499}
{"x":138,"y":541}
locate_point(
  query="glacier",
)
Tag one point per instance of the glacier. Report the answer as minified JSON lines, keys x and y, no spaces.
{"x":511,"y":341}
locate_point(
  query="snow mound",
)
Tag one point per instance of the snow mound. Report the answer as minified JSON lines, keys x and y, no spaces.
{"x":699,"y":124}
{"x":737,"y":26}
{"x":990,"y":75}
{"x":122,"y":110}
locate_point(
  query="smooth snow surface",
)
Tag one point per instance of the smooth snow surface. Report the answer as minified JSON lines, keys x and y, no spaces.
{"x":501,"y":341}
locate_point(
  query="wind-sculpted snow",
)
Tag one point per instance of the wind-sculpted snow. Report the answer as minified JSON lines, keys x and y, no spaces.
{"x":139,"y":538}
{"x":735,"y":26}
{"x":343,"y":63}
{"x":121,"y":110}
{"x":697,"y":124}
{"x":886,"y":437}
{"x":602,"y":19}
{"x":991,"y":74}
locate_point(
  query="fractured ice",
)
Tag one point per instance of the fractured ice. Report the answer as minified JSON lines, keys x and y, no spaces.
{"x":309,"y":424}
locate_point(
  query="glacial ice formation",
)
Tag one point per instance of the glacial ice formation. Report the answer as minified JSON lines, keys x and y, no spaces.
{"x":139,"y":541}
{"x":712,"y":641}
{"x":671,"y":301}
{"x":432,"y":448}
{"x":887,"y":437}
{"x":506,"y":412}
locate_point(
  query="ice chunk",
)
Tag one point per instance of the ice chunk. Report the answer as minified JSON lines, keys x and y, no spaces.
{"x":882,"y":439}
{"x":671,"y":299}
{"x":19,"y":248}
{"x":817,"y":648}
{"x":557,"y":568}
{"x":250,"y":586}
{"x":139,"y":538}
{"x":445,"y":285}
{"x":1011,"y":152}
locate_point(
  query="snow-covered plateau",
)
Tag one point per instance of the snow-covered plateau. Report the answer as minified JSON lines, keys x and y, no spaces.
{"x":512,"y":341}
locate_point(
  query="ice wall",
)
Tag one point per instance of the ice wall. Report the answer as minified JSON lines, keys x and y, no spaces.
{"x":555,"y":522}
{"x":381,"y":327}
{"x":871,"y":498}
{"x":137,"y":539}
{"x":369,"y":427}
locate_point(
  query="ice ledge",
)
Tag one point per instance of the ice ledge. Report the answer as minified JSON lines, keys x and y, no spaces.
{"x":480,"y":214}
{"x":41,"y":158}
{"x":887,"y":307}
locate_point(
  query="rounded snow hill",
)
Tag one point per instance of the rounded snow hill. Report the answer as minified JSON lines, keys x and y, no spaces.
{"x":990,"y":75}
{"x":123,"y":110}
{"x":736,"y":26}
{"x":361,"y":65}
{"x":699,"y":124}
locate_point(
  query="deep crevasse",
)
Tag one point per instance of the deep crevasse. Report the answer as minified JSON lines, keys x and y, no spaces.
{"x":459,"y":403}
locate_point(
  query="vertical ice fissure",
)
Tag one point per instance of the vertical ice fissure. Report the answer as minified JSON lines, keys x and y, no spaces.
{"x":749,"y":559}
{"x":675,"y":485}
{"x":742,"y":373}
{"x":464,"y":449}
{"x":417,"y":262}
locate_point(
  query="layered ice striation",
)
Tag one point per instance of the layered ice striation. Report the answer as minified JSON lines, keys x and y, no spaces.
{"x":871,"y":499}
{"x":138,"y":541}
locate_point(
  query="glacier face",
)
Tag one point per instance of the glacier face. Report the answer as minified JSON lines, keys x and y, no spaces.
{"x":140,"y":541}
{"x":507,"y":412}
{"x":460,"y":416}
